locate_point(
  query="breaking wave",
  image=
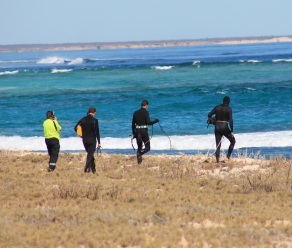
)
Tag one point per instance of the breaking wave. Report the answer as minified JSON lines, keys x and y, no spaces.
{"x":61,"y":70}
{"x":8,"y":72}
{"x":187,"y":142}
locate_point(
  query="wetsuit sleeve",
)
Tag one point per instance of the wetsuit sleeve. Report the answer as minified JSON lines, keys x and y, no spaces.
{"x":212,"y":112}
{"x":97,"y":131}
{"x":231,"y":120}
{"x":148,"y":120}
{"x":133,"y":124}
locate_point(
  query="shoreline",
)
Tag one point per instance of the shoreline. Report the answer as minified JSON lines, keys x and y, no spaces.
{"x":237,"y":154}
{"x":141,"y":44}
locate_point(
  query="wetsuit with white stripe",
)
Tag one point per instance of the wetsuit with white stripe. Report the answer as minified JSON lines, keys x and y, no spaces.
{"x":140,"y":122}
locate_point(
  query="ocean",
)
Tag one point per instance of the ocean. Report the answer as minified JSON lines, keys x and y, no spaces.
{"x":182,"y":85}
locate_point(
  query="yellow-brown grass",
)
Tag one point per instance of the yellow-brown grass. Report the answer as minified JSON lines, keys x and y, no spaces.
{"x":168,"y":201}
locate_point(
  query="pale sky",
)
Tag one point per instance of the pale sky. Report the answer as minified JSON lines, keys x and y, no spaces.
{"x":72,"y":21}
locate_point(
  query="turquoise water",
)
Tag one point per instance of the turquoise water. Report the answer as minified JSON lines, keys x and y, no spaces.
{"x":182,"y":85}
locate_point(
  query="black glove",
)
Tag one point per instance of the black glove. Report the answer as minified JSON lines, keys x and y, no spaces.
{"x":156,"y":120}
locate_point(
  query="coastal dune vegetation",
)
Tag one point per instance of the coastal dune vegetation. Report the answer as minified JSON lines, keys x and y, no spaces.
{"x":167,"y":201}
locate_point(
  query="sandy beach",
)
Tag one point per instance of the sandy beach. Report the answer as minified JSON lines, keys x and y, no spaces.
{"x":168,"y":201}
{"x":141,"y":44}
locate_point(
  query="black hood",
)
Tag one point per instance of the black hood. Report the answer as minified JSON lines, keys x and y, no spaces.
{"x":226,"y":100}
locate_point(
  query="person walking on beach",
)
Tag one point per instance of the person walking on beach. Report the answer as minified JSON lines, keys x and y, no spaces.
{"x":140,"y":122}
{"x":52,"y":131}
{"x":223,"y":116}
{"x":90,"y":138}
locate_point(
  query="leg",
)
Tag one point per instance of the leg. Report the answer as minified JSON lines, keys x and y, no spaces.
{"x":90,"y":157}
{"x":53,"y":149}
{"x":93,"y":168}
{"x":146,"y":141}
{"x":48,"y":146}
{"x":231,"y":138}
{"x":218,"y":137}
{"x":139,"y":144}
{"x":139,"y":141}
{"x":89,"y":146}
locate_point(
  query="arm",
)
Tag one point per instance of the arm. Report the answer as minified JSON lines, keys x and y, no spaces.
{"x":212,"y":112}
{"x":133,"y":124}
{"x":231,"y":120}
{"x":97,"y":132}
{"x":148,"y":120}
{"x":59,"y":128}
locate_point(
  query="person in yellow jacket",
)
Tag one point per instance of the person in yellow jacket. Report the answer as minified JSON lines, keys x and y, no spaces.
{"x":52,"y":131}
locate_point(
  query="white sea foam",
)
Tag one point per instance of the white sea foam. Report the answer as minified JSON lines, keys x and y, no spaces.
{"x":7,"y":88}
{"x":253,"y":61}
{"x":250,"y":61}
{"x":14,"y":61}
{"x":252,"y":89}
{"x":188,"y":142}
{"x":52,"y":60}
{"x":221,"y":92}
{"x":76,"y":61}
{"x":282,"y":60}
{"x":61,"y":70}
{"x":8,"y":72}
{"x":162,"y":67}
{"x":196,"y":62}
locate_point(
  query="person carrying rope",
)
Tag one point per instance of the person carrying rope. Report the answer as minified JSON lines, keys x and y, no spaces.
{"x":140,"y":123}
{"x":223,"y":116}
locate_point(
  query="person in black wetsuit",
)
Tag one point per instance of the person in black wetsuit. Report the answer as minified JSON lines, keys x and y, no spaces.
{"x":223,"y":115}
{"x":140,"y":122}
{"x":90,"y":137}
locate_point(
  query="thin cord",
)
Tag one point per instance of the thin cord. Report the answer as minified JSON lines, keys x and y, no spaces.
{"x":98,"y":151}
{"x":217,"y":145}
{"x":166,"y":136}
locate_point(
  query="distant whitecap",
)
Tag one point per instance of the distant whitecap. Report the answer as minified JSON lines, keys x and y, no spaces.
{"x":250,"y":61}
{"x":253,"y":61}
{"x":196,"y":62}
{"x":77,"y":61}
{"x":251,"y":89}
{"x":8,"y":72}
{"x":162,"y":67}
{"x":281,"y":60}
{"x":51,"y":60}
{"x":61,"y":70}
{"x":7,"y":88}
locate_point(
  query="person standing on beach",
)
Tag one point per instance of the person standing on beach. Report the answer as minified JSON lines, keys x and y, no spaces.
{"x":223,"y":116}
{"x":52,"y":131}
{"x":90,"y":138}
{"x":140,"y":122}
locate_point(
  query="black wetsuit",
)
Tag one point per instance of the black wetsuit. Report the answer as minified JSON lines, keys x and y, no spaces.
{"x":223,"y":115}
{"x":140,"y":122}
{"x":90,"y":135}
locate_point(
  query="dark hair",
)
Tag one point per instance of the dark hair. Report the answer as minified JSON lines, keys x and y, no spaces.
{"x":144,"y":103}
{"x":91,"y":110}
{"x":226,"y":100}
{"x":50,"y":114}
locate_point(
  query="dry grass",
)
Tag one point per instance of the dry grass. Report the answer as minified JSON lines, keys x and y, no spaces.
{"x":168,"y":201}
